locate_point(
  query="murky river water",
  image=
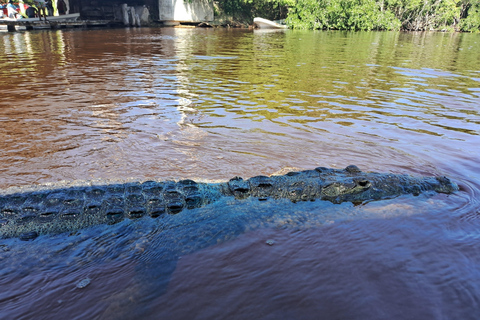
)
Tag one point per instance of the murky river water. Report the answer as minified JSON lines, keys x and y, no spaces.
{"x":209,"y":104}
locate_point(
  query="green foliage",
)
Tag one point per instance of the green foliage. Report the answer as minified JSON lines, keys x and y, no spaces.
{"x":471,"y":22}
{"x":424,"y":14}
{"x":444,"y":15}
{"x":249,"y":9}
{"x":341,"y":15}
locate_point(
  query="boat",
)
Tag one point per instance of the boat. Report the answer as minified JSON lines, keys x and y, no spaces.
{"x":63,"y":17}
{"x":35,"y":23}
{"x":268,"y":24}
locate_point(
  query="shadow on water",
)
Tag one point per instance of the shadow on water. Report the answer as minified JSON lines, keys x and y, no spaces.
{"x":372,"y":269}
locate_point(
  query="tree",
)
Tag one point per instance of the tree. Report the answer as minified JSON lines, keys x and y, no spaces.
{"x":341,"y":15}
{"x":445,"y":15}
{"x":248,"y":9}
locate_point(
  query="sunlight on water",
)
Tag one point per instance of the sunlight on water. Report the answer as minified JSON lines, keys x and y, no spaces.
{"x":167,"y":102}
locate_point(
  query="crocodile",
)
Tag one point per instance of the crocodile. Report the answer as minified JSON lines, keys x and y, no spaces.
{"x":28,"y":212}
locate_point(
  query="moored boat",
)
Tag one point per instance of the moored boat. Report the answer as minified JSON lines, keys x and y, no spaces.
{"x":35,"y":23}
{"x":64,"y":17}
{"x":268,"y":24}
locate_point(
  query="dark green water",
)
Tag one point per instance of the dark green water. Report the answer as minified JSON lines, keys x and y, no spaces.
{"x":212,"y":104}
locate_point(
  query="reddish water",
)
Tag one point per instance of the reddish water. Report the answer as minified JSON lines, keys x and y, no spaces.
{"x":212,"y":104}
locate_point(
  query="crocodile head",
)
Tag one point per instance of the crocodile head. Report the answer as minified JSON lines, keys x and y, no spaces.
{"x":353,"y":185}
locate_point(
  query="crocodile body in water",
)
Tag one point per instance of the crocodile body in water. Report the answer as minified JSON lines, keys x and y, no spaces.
{"x":28,"y":212}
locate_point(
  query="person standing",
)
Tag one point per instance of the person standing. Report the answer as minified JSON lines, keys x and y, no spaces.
{"x":61,"y":7}
{"x":11,"y":10}
{"x":40,"y":4}
{"x":30,"y":12}
{"x":49,"y":6}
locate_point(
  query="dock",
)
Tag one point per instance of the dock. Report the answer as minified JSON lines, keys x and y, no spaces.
{"x":52,"y":22}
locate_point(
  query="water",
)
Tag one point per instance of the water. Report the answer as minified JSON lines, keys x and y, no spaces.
{"x":209,"y":104}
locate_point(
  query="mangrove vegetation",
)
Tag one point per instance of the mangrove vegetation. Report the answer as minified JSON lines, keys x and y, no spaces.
{"x":412,"y":15}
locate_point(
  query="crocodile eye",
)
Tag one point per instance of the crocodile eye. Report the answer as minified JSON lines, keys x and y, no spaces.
{"x":352,"y":169}
{"x":363,"y":183}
